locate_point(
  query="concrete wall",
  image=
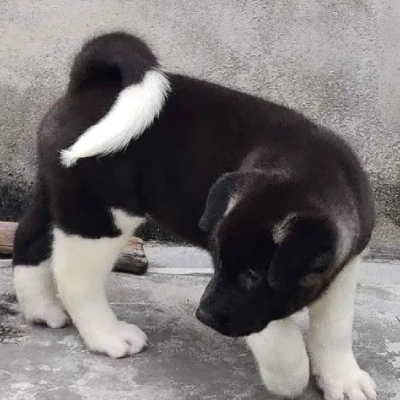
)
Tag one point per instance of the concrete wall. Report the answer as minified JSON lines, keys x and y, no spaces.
{"x":337,"y":61}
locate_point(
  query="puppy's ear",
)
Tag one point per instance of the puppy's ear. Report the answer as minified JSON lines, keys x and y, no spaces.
{"x":308,"y":246}
{"x":217,"y":200}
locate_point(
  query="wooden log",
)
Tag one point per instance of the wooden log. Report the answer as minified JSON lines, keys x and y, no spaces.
{"x":7,"y":232}
{"x":133,"y":259}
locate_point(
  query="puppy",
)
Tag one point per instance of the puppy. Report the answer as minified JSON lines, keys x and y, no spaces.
{"x":282,"y":204}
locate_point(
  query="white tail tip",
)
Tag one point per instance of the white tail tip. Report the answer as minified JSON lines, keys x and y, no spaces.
{"x":67,"y":158}
{"x":132,"y":113}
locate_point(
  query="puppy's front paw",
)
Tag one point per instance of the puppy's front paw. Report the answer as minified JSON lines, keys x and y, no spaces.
{"x":345,"y":380}
{"x":289,"y":383}
{"x":282,"y":358}
{"x":117,"y":341}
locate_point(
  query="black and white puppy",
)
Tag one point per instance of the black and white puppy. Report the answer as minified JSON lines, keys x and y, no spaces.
{"x":281,"y":202}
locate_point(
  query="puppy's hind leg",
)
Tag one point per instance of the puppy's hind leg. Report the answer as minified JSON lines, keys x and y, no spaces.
{"x":33,"y":276}
{"x":281,"y":356}
{"x":81,"y":267}
{"x":329,"y":340}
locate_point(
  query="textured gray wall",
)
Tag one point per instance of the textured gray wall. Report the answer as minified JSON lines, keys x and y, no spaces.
{"x":337,"y":61}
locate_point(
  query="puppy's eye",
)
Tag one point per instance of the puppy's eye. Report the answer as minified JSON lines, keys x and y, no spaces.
{"x":250,"y":277}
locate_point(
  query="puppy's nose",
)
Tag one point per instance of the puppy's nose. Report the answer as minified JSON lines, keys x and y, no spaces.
{"x":205,"y":317}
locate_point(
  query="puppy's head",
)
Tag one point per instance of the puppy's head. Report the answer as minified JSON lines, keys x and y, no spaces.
{"x":269,"y":262}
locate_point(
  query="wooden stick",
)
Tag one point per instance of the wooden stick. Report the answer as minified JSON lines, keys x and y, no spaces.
{"x":133,"y":259}
{"x":7,"y":232}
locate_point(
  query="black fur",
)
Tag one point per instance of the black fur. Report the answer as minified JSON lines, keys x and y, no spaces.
{"x":116,"y":57}
{"x":282,"y":164}
{"x":217,"y":201}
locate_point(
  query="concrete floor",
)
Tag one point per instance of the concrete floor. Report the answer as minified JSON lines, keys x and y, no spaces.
{"x":185,"y":360}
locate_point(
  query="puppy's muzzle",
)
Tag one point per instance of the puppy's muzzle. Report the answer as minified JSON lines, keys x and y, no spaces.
{"x":218,"y":322}
{"x":205,"y":318}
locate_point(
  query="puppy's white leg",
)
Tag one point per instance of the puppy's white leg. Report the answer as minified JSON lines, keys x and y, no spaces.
{"x":329,"y":340}
{"x":281,"y":356}
{"x":37,"y":295}
{"x":81,"y":267}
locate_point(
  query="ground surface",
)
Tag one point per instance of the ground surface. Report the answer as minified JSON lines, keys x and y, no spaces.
{"x":185,"y":360}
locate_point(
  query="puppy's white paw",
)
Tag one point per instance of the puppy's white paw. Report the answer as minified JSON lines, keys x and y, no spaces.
{"x":346,"y":380}
{"x":117,"y":341}
{"x":51,"y":314}
{"x":289,"y":383}
{"x":37,"y":295}
{"x":282,"y":358}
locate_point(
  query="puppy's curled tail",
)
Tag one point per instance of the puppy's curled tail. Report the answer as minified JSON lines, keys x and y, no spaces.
{"x":127,"y":59}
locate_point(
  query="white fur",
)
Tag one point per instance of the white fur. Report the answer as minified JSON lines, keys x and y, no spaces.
{"x":281,"y":229}
{"x":329,"y":340}
{"x":231,"y":204}
{"x":37,"y":295}
{"x":281,"y":356}
{"x":81,"y":267}
{"x":347,"y":228}
{"x":134,"y":110}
